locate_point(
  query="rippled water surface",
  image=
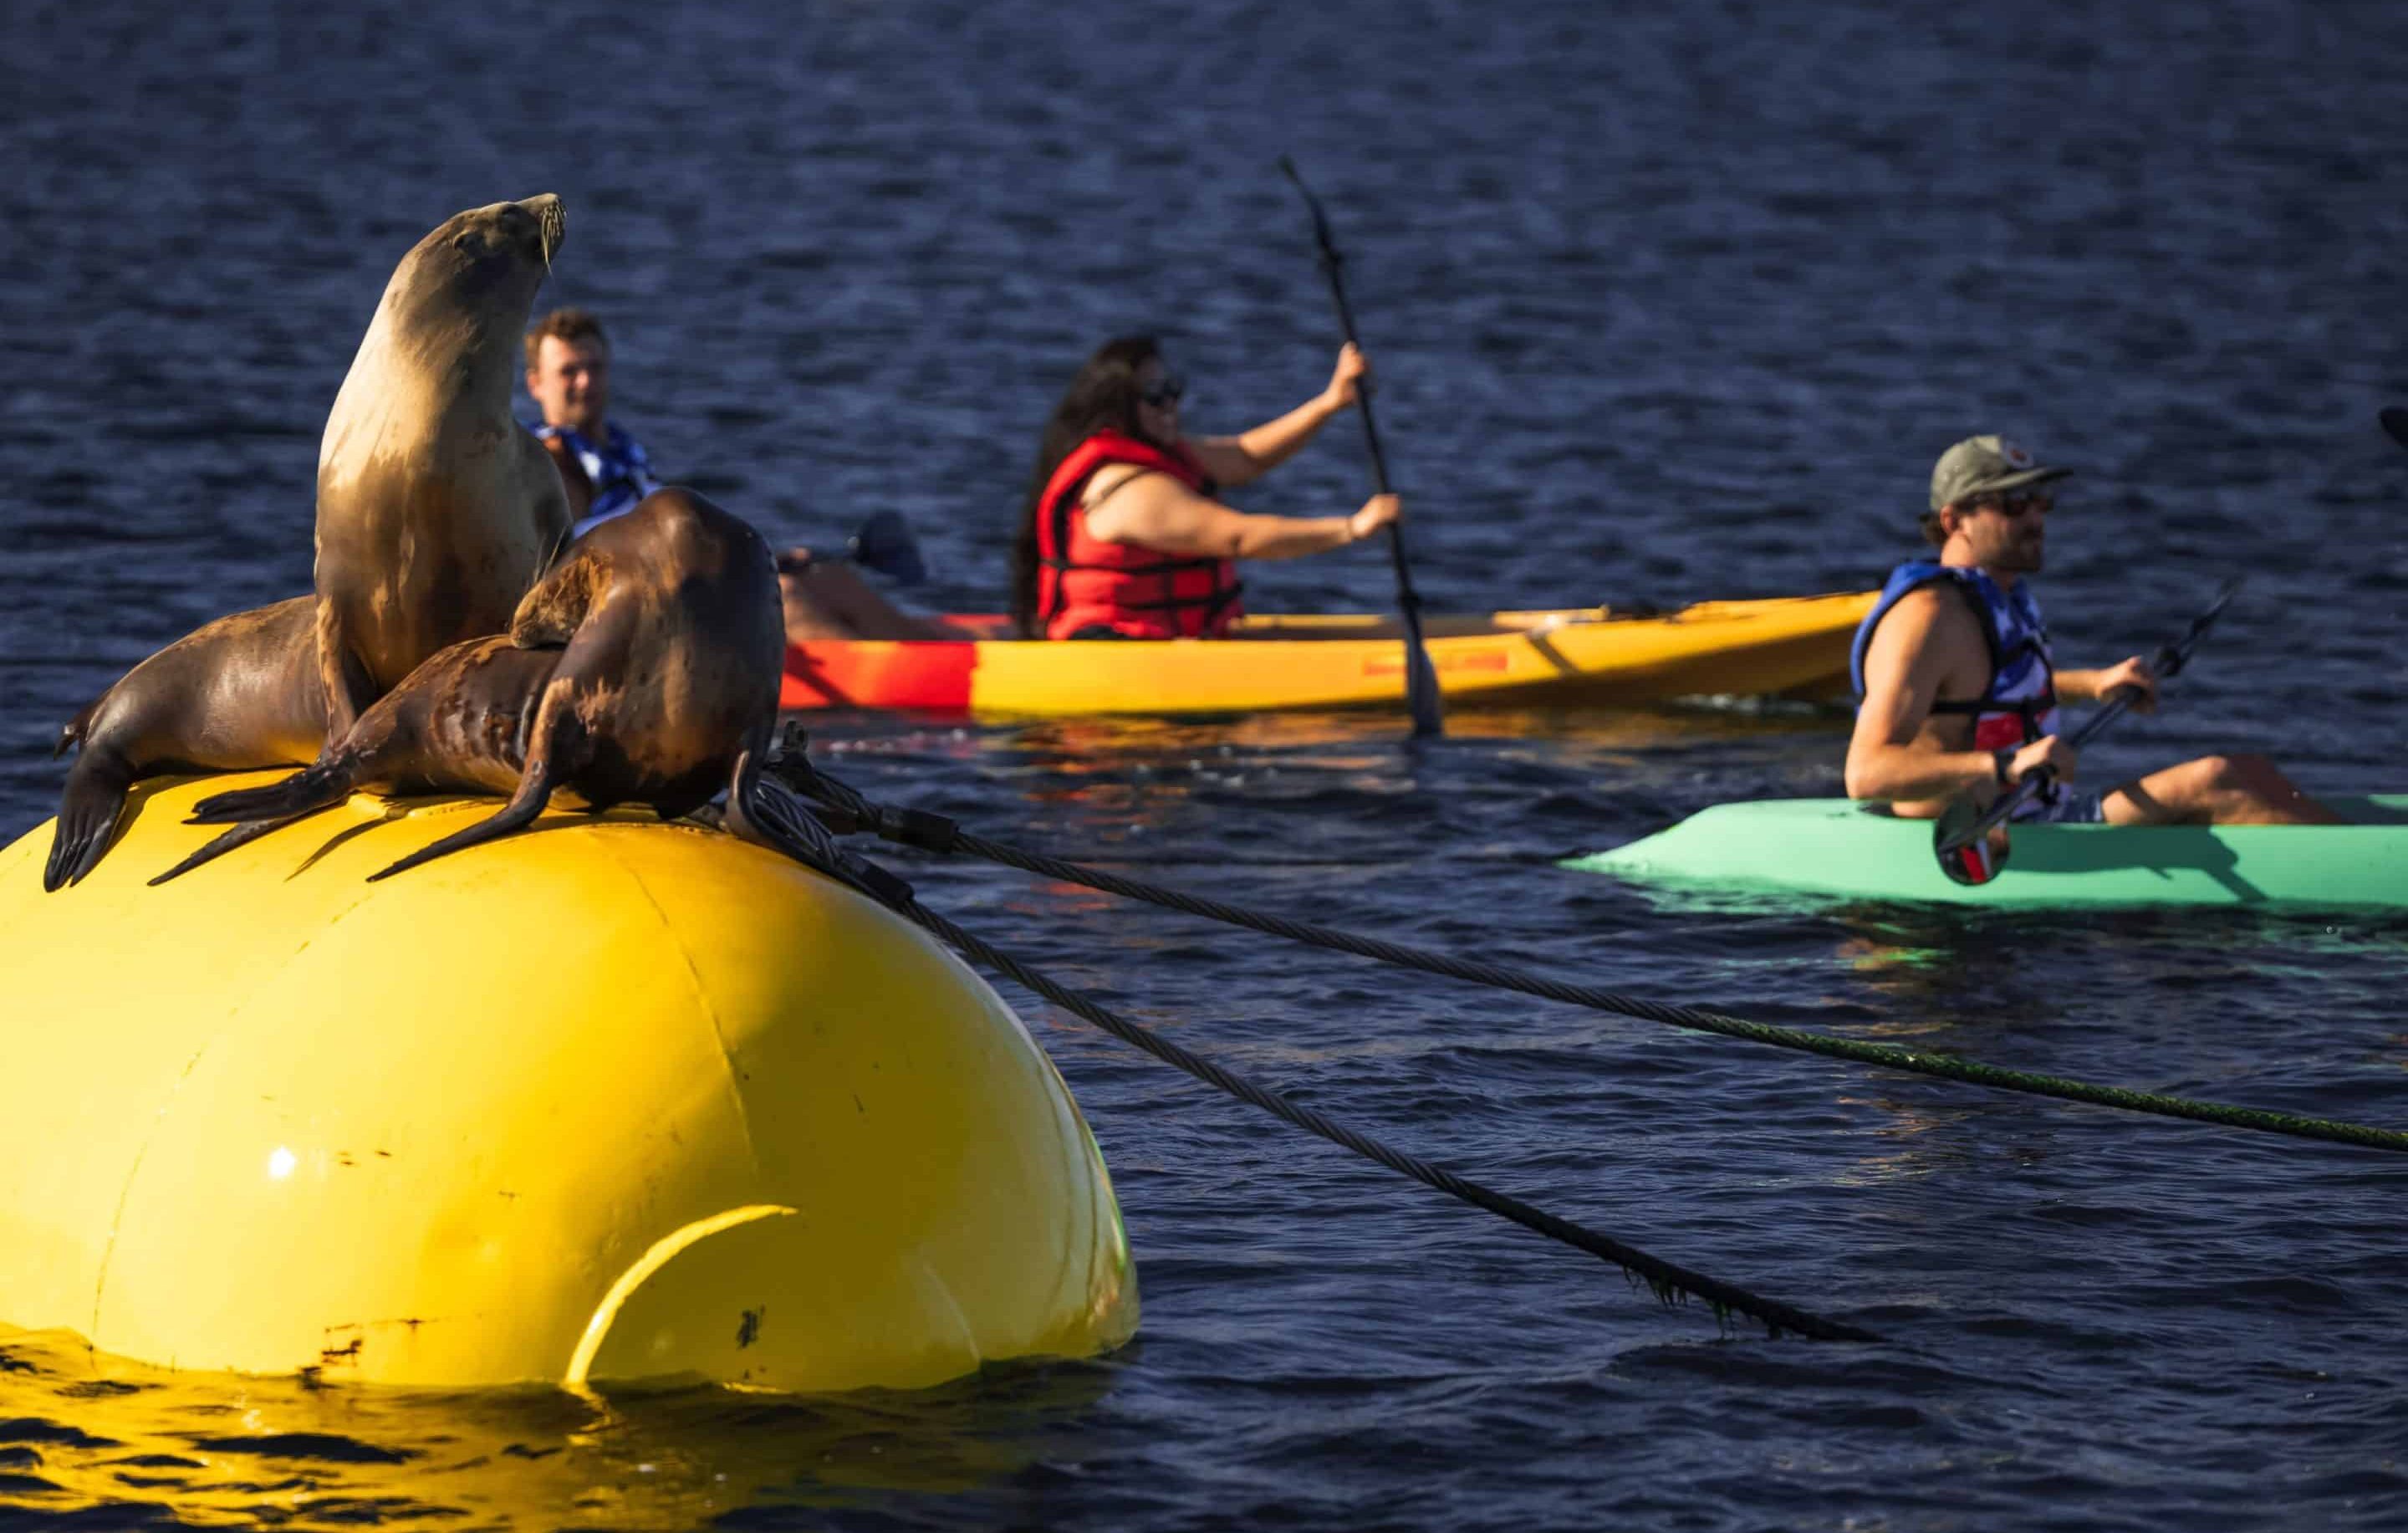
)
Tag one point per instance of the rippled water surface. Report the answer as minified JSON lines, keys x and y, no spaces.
{"x":1665,"y":307}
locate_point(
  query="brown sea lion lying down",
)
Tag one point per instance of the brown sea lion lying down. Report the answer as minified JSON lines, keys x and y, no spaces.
{"x":644,"y":669}
{"x":239,"y":693}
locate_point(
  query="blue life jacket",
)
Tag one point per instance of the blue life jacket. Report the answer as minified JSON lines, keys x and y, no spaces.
{"x":619,"y":470}
{"x":2020,"y":703}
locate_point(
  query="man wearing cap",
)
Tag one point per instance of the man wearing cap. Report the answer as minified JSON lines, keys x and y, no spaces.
{"x":1960,"y":690}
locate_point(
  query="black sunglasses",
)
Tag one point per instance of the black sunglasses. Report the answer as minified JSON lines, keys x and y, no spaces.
{"x":1165,"y":394}
{"x":2011,"y":506}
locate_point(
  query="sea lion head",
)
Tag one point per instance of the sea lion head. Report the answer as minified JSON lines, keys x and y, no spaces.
{"x":487,"y":261}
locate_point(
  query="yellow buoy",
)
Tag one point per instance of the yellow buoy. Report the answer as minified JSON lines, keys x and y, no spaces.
{"x":609,"y":1099}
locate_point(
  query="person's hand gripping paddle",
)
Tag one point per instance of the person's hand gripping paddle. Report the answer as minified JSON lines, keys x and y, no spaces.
{"x":1971,"y":842}
{"x":1421,"y":678}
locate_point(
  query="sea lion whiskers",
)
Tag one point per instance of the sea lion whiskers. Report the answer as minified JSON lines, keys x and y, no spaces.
{"x":553,"y":228}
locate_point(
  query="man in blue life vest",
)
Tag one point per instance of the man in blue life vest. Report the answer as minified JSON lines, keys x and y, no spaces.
{"x":569,"y":376}
{"x":1960,"y":691}
{"x":607,"y":472}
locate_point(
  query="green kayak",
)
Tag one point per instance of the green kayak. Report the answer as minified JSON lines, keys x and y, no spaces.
{"x":1833,"y":847}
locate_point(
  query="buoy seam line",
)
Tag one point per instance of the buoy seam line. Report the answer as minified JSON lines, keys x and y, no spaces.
{"x":702,"y":1000}
{"x":1667,"y":1280}
{"x":935,"y":832}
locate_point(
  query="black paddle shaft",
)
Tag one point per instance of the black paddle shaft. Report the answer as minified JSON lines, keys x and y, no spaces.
{"x":2168,"y":661}
{"x":1420,"y":679}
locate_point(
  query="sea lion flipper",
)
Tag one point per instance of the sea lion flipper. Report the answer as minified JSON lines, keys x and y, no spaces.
{"x":557,"y":606}
{"x":320,"y":786}
{"x":90,"y":807}
{"x":557,"y":749}
{"x":518,"y":813}
{"x":242,"y":835}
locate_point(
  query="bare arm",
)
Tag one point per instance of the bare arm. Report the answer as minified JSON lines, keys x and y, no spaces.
{"x":1156,"y":512}
{"x":1904,"y":665}
{"x":1248,"y":456}
{"x":2077,"y":686}
{"x":572,"y":478}
{"x":2090,"y":686}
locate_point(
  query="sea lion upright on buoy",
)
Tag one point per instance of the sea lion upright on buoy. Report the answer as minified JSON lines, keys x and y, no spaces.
{"x":436,"y":510}
{"x":241,"y":692}
{"x":644,"y":669}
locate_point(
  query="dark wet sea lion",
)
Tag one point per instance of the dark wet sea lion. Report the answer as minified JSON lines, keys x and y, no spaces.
{"x":241,"y":692}
{"x":643,"y":669}
{"x":437,"y":511}
{"x":459,"y":723}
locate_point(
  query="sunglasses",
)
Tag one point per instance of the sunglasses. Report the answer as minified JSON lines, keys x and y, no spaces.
{"x":1163,"y":395}
{"x":2011,"y":506}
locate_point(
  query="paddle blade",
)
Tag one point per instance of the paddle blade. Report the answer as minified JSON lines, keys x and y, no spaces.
{"x":1421,"y":691}
{"x":885,"y":544}
{"x":2395,"y":421}
{"x":1978,"y":861}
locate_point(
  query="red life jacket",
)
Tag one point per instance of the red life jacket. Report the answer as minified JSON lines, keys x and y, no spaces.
{"x":1083,"y":583}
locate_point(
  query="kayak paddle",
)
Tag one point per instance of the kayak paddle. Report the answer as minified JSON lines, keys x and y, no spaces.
{"x":1960,"y":837}
{"x":1421,"y":678}
{"x":2395,"y":421}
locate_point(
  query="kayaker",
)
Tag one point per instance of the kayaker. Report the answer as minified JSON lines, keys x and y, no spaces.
{"x":1960,"y":690}
{"x":1120,"y":537}
{"x":604,"y":469}
{"x":607,"y":473}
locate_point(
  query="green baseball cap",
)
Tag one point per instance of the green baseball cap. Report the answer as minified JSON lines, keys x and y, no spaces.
{"x":1986,"y":465}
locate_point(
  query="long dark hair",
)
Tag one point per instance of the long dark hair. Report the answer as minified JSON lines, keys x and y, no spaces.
{"x":1103,"y":397}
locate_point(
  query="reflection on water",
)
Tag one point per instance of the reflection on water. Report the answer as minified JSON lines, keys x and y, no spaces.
{"x":207,"y":1449}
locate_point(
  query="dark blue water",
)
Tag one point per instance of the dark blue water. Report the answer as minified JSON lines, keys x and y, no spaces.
{"x":1665,"y":307}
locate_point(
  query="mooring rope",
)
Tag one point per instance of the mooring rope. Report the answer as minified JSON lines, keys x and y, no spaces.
{"x":848,"y":810}
{"x":803,"y":833}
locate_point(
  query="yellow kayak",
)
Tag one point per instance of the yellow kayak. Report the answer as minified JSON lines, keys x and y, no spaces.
{"x":1788,"y":645}
{"x":609,"y":1099}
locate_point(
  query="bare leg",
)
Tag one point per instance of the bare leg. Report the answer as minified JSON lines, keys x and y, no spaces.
{"x":828,"y":600}
{"x":2216,"y":791}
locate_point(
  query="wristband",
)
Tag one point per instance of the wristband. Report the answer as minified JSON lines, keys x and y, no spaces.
{"x":2000,"y":763}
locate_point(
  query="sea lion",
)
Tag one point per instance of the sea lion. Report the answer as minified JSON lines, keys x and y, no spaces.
{"x":436,"y":510}
{"x":644,"y":669}
{"x":241,"y":692}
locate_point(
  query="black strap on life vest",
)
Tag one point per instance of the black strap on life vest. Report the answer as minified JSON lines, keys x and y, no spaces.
{"x":2029,"y":709}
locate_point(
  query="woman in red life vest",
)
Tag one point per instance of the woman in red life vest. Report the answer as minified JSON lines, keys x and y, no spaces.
{"x":1121,"y":538}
